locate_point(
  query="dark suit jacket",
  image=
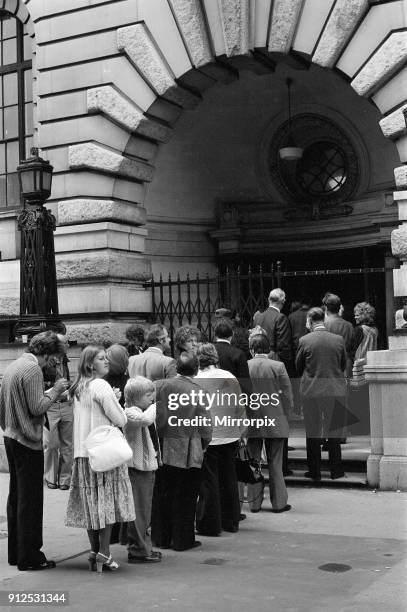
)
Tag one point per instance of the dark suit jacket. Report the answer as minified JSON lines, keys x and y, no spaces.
{"x":337,"y":325}
{"x":298,"y":320}
{"x":183,"y":445}
{"x":341,"y":327}
{"x":278,"y":331}
{"x":234,"y":361}
{"x":270,"y":377}
{"x":321,"y":360}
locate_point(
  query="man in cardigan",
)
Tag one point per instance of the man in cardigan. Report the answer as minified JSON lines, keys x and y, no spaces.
{"x":22,"y":408}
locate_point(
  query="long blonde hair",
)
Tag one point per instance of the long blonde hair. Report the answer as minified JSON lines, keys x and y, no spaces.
{"x":85,"y":369}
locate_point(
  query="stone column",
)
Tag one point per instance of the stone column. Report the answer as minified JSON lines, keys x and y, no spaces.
{"x":386,"y":373}
{"x":399,"y":249}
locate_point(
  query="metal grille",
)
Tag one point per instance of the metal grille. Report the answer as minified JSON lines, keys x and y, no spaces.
{"x":193,"y":300}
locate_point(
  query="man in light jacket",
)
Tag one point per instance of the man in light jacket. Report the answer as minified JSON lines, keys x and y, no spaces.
{"x":153,"y":363}
{"x":269,"y":379}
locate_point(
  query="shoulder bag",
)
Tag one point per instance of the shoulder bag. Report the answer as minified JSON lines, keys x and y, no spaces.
{"x":107,"y":448}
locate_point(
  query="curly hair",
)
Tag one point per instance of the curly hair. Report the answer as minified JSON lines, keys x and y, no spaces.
{"x":135,"y":332}
{"x":185,"y":334}
{"x":207,"y":355}
{"x":366,"y":312}
{"x":256,"y":331}
{"x":46,"y":343}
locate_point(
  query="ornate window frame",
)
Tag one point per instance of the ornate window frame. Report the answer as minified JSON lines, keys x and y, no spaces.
{"x":16,"y":96}
{"x":328,"y":125}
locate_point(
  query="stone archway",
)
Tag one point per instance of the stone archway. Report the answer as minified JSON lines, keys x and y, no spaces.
{"x":213,"y":41}
{"x":106,"y":107}
{"x":357,"y":38}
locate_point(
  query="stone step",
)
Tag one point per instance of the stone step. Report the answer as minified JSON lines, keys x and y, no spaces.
{"x":350,"y":465}
{"x":350,"y":480}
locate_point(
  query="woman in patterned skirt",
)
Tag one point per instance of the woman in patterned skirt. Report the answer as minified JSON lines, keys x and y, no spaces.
{"x":97,"y":500}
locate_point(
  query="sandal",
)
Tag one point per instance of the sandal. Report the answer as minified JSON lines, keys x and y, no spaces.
{"x":107,"y":563}
{"x":92,"y":561}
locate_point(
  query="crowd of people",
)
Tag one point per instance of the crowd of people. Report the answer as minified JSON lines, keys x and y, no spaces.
{"x":181,"y":479}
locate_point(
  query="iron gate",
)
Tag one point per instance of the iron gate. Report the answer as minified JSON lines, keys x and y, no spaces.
{"x":193,"y":300}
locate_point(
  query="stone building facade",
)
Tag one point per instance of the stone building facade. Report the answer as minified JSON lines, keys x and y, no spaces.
{"x":160,"y":115}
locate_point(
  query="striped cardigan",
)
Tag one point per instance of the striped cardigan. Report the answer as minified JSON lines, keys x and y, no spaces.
{"x":23,"y":403}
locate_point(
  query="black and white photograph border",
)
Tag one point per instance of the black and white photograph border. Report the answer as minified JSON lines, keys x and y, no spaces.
{"x":173,"y":162}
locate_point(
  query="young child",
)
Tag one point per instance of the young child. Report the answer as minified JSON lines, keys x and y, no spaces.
{"x":139,"y":395}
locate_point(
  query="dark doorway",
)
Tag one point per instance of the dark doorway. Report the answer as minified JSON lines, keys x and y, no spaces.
{"x":356,"y":275}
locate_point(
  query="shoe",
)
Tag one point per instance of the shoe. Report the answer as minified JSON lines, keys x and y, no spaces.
{"x":242,"y":517}
{"x":148,"y":559}
{"x":335,"y":475}
{"x":285,"y":509}
{"x":63,"y":487}
{"x":156,"y":553}
{"x":51,"y":485}
{"x":312,"y":476}
{"x":105,"y":563}
{"x":38,"y":567}
{"x":255,"y":510}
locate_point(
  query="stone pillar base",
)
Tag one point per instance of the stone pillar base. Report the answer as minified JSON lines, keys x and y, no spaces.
{"x":373,"y":473}
{"x":393,"y":473}
{"x":105,"y":332}
{"x":386,"y":373}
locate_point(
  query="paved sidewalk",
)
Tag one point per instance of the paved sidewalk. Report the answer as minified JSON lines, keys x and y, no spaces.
{"x":272,"y":564}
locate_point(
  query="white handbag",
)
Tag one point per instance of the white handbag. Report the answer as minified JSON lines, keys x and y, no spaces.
{"x":107,"y":448}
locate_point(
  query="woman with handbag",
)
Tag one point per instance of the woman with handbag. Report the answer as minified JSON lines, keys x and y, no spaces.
{"x":97,"y":499}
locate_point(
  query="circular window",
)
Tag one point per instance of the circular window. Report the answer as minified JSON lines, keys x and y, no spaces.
{"x":322,"y":169}
{"x":327,"y":173}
